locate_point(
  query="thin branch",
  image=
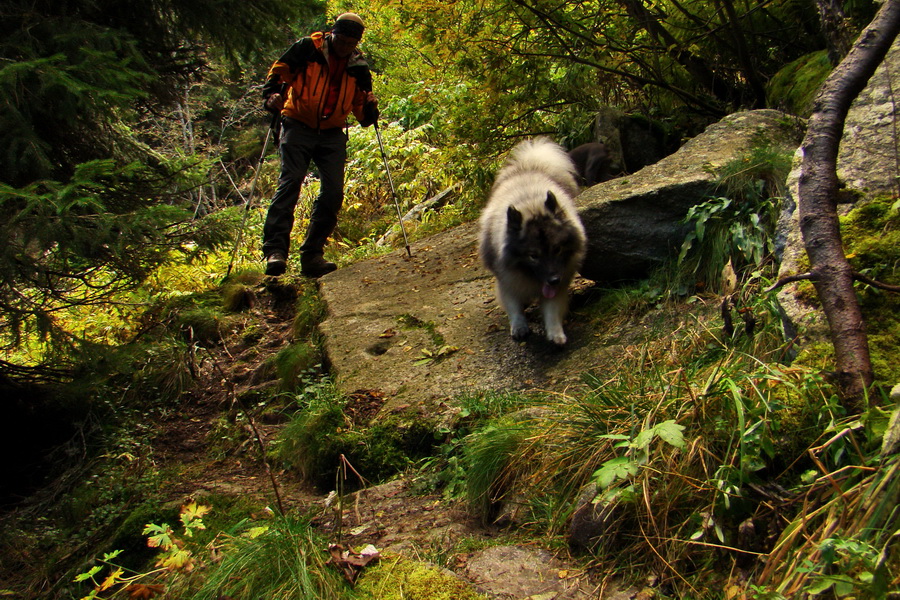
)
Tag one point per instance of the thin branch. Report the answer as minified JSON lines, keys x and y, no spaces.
{"x":876,"y":284}
{"x":810,"y":276}
{"x":790,"y":279}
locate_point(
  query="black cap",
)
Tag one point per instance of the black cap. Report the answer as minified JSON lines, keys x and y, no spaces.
{"x":349,"y":24}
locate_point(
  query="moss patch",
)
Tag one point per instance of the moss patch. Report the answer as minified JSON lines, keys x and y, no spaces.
{"x":871,"y":233}
{"x":394,"y":578}
{"x":411,"y":322}
{"x":794,"y":87}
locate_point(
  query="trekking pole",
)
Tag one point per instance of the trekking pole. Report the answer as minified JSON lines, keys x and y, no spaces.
{"x":393,"y":192}
{"x":262,"y":157}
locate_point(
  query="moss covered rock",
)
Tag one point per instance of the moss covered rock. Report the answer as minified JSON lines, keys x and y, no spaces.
{"x":396,"y":577}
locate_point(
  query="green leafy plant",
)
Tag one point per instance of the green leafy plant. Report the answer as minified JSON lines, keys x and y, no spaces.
{"x":847,"y":567}
{"x":738,"y":226}
{"x":175,"y":556}
{"x":723,"y":230}
{"x":623,"y":468}
{"x":489,"y":454}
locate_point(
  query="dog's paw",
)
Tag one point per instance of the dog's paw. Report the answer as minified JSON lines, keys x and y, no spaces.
{"x":519,"y":332}
{"x":518,"y":326}
{"x":557,"y":338}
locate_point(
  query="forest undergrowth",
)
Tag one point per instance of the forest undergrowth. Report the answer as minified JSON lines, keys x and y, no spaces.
{"x":707,"y":462}
{"x":213,"y":456}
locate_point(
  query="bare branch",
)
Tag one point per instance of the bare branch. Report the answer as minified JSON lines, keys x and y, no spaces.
{"x":876,"y":284}
{"x":790,"y":279}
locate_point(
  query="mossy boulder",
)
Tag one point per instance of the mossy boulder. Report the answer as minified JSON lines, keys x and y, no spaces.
{"x":794,"y":87}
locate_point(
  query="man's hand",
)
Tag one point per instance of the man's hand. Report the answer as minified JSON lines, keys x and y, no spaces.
{"x":370,"y":110}
{"x":275,"y":103}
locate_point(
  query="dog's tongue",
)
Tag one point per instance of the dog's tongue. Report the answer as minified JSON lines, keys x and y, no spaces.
{"x":548,"y":290}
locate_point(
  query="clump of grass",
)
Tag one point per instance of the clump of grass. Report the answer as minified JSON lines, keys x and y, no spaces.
{"x":320,"y":437}
{"x":309,"y":442}
{"x":237,"y":297}
{"x":294,"y":362}
{"x":284,"y":559}
{"x":448,"y":470}
{"x":488,"y":454}
{"x":203,"y":325}
{"x":168,"y":370}
{"x":840,"y":540}
{"x":310,"y":311}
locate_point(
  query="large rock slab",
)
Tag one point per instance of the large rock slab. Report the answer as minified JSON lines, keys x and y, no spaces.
{"x":427,"y":328}
{"x":424,"y":329}
{"x":634,"y":223}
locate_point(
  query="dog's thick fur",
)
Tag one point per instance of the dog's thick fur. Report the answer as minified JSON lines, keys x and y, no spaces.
{"x":531,"y":238}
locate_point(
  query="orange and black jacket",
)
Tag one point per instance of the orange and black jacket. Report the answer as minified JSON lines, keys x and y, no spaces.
{"x":303,"y":69}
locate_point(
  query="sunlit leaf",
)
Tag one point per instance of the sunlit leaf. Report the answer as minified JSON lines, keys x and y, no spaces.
{"x":111,"y":580}
{"x":671,"y":433}
{"x":159,"y":536}
{"x":176,"y":560}
{"x":89,"y":574}
{"x":255,"y":532}
{"x":613,"y":470}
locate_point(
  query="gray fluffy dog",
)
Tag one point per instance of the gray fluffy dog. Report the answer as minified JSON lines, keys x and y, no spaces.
{"x":531,"y":238}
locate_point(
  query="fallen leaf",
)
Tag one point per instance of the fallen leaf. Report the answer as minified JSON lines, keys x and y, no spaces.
{"x":351,"y":563}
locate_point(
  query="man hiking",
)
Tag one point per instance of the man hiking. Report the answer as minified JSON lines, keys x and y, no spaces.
{"x":315,"y":86}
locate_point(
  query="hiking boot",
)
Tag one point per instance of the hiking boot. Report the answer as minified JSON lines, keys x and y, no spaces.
{"x":276,"y":264}
{"x":315,"y":265}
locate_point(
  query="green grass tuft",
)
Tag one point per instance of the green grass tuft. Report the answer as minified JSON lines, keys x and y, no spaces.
{"x":283,"y":559}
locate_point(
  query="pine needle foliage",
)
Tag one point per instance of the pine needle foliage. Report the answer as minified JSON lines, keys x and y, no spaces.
{"x":89,"y":208}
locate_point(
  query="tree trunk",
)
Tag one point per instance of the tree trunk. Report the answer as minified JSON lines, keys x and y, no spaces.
{"x":837,"y":29}
{"x":832,"y":275}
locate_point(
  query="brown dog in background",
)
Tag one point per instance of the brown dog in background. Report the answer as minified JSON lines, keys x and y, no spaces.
{"x":592,"y":162}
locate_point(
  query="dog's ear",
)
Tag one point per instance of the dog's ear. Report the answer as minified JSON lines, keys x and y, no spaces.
{"x":513,"y":219}
{"x":552,"y":203}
